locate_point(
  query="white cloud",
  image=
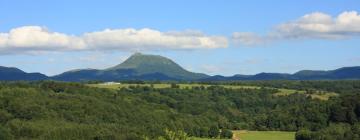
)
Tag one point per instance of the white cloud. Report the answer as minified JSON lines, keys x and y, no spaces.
{"x":35,"y":38}
{"x":38,"y":39}
{"x":148,"y":39}
{"x":311,"y":26}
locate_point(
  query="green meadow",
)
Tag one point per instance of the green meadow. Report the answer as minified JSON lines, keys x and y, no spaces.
{"x":263,"y":135}
{"x":257,"y":135}
{"x":282,"y":91}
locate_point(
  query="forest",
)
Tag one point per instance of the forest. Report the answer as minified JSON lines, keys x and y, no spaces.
{"x":69,"y":110}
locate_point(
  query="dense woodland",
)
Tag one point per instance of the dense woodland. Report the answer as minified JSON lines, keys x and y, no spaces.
{"x":58,"y":111}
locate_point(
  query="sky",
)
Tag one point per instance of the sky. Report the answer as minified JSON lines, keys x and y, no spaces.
{"x":223,"y":37}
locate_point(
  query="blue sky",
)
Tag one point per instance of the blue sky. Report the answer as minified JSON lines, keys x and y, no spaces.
{"x":215,"y":20}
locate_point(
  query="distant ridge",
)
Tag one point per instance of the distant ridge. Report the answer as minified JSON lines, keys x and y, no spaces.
{"x":345,"y":73}
{"x":15,"y":74}
{"x":155,"y":67}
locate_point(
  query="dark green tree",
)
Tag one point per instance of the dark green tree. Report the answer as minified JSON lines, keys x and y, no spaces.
{"x":226,"y":134}
{"x":303,"y":135}
{"x":213,"y":132}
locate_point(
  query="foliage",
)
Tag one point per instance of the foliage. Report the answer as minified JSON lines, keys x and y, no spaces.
{"x":57,"y":110}
{"x":226,"y":133}
{"x":344,"y":120}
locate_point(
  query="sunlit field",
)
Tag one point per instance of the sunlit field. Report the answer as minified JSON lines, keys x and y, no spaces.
{"x":257,"y":135}
{"x":322,"y":95}
{"x":263,"y":135}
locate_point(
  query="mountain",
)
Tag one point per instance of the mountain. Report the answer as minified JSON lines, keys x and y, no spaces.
{"x":227,"y":78}
{"x":136,"y":67}
{"x":14,"y":74}
{"x":341,"y":73}
{"x":337,"y":74}
{"x":346,"y":72}
{"x":155,"y":67}
{"x":150,"y":64}
{"x":270,"y":76}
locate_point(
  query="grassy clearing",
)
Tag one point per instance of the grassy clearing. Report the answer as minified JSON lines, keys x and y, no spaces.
{"x":117,"y":86}
{"x":324,"y":96}
{"x":196,"y":138}
{"x":182,"y":86}
{"x":282,"y":91}
{"x":263,"y":135}
{"x":317,"y":95}
{"x":285,"y":92}
{"x":257,"y":135}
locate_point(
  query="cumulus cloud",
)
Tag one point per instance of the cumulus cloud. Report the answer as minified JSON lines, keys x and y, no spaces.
{"x":40,"y":39}
{"x":316,"y":25}
{"x":32,"y":38}
{"x":145,"y":39}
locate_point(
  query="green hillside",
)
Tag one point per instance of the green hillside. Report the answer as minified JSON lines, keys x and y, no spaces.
{"x":148,"y":64}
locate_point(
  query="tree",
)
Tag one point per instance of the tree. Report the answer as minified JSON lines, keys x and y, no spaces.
{"x":213,"y":132}
{"x":5,"y":134}
{"x":303,"y":135}
{"x":226,"y":134}
{"x":204,"y":132}
{"x":173,"y":85}
{"x":171,"y":135}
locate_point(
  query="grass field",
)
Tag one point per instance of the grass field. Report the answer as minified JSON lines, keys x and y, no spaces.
{"x":257,"y":135}
{"x":282,"y":92}
{"x":263,"y":135}
{"x":182,"y":86}
{"x":195,"y":138}
{"x":318,"y":95}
